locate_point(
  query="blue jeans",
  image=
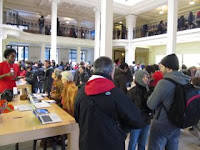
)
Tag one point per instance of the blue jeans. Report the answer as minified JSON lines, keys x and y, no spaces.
{"x":139,"y":137}
{"x":163,"y":138}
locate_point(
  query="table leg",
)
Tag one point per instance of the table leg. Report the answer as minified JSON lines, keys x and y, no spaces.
{"x":73,"y":138}
{"x":17,"y":146}
{"x":34,"y":144}
{"x":63,"y":142}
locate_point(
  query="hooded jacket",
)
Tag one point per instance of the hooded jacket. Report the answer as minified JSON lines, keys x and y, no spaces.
{"x":164,"y":93}
{"x":92,"y":133}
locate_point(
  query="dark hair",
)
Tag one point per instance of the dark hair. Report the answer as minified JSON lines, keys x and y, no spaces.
{"x":150,"y":69}
{"x":82,"y":63}
{"x":22,"y":67}
{"x":29,"y":67}
{"x":82,"y":67}
{"x":116,"y":61}
{"x":48,"y":62}
{"x":184,"y":67}
{"x":156,"y":67}
{"x":123,"y":66}
{"x":9,"y":51}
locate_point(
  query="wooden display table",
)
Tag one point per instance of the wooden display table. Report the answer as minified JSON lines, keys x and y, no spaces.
{"x":16,"y":127}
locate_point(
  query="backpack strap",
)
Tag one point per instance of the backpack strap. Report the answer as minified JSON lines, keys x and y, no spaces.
{"x":108,"y":94}
{"x":170,"y":80}
{"x":162,"y":105}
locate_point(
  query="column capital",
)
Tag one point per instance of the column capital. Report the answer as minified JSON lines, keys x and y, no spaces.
{"x":131,"y":17}
{"x":55,"y":1}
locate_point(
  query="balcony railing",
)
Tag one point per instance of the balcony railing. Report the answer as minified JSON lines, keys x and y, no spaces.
{"x":12,"y":17}
{"x":184,"y":22}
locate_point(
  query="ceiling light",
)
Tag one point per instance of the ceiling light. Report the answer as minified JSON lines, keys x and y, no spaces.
{"x":67,"y":22}
{"x":120,"y":22}
{"x":192,"y":2}
{"x":161,"y":12}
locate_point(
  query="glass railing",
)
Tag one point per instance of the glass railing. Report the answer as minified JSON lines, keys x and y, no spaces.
{"x":12,"y":17}
{"x":184,"y":22}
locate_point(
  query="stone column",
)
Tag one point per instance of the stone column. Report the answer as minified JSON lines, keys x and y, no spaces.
{"x":130,"y":50}
{"x":42,"y":52}
{"x":130,"y":24}
{"x":97,"y":33}
{"x":172,"y":26}
{"x":130,"y":54}
{"x":78,"y":54}
{"x":54,"y":8}
{"x":106,"y":28}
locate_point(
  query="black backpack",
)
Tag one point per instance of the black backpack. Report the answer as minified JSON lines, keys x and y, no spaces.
{"x":185,"y":110}
{"x":8,"y":95}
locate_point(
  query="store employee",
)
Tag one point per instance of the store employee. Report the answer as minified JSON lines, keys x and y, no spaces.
{"x":9,"y":71}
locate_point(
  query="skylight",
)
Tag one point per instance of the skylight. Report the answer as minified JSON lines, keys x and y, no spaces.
{"x":128,"y":2}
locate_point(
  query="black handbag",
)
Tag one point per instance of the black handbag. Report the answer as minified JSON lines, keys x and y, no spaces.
{"x":7,"y":95}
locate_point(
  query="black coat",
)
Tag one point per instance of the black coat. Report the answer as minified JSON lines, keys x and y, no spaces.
{"x":48,"y":80}
{"x":93,"y":134}
{"x":139,"y":95}
{"x":31,"y":78}
{"x":120,"y":80}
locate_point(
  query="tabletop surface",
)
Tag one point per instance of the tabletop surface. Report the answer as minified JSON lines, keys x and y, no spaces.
{"x":16,"y":121}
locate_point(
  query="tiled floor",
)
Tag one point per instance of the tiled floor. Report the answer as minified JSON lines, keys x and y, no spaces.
{"x":187,"y":142}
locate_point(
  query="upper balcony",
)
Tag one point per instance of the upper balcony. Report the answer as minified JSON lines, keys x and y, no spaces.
{"x":12,"y":17}
{"x":146,"y":35}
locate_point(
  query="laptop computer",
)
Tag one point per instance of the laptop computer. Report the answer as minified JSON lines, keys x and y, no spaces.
{"x":47,"y":118}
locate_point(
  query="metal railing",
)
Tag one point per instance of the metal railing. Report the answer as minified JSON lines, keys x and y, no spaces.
{"x":12,"y":17}
{"x":151,"y":29}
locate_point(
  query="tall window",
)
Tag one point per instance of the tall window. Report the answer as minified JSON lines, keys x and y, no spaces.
{"x":72,"y":55}
{"x":48,"y":54}
{"x":22,"y":52}
{"x":83,"y":55}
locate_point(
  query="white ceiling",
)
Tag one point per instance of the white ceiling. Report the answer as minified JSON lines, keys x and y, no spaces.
{"x":128,"y":2}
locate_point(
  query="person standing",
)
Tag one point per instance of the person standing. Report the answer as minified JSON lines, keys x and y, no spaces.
{"x":48,"y":80}
{"x":163,"y":133}
{"x":120,"y":77}
{"x":9,"y":71}
{"x":41,"y":24}
{"x":139,"y":95}
{"x":104,"y":113}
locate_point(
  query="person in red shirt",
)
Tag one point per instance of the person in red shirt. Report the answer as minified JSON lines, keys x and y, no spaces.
{"x":22,"y":71}
{"x":158,"y":75}
{"x":8,"y":71}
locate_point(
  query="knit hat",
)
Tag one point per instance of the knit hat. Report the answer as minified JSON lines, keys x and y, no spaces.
{"x":171,"y":62}
{"x":138,"y":78}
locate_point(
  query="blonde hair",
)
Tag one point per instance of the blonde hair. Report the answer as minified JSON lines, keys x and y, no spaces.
{"x":67,"y":75}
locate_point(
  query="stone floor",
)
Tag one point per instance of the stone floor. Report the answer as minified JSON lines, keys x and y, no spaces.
{"x":187,"y":142}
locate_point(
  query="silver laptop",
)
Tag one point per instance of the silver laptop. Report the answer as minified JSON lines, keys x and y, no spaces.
{"x":47,"y":118}
{"x":43,"y":118}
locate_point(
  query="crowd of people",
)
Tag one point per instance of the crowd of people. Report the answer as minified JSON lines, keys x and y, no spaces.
{"x":183,"y":24}
{"x":104,"y":101}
